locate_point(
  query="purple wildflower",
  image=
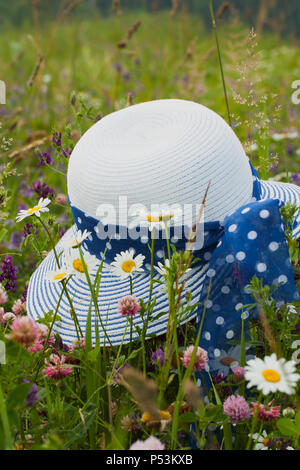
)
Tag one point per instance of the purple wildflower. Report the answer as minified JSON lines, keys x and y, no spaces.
{"x":43,"y":190}
{"x":24,"y":294}
{"x":8,"y":276}
{"x":45,"y":158}
{"x":28,"y":230}
{"x":295,"y":179}
{"x":26,"y":191}
{"x":22,"y":207}
{"x":15,"y":240}
{"x":33,"y":395}
{"x":56,"y":139}
{"x":158,"y":357}
{"x":65,"y":152}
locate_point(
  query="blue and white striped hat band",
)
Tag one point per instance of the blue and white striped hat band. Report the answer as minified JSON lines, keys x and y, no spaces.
{"x":246,"y":237}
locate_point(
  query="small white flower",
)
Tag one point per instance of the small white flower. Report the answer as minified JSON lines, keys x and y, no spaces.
{"x":36,"y":210}
{"x":261,"y":441}
{"x":125,"y":264}
{"x":57,"y":276}
{"x":272,"y":375}
{"x":75,"y":239}
{"x":75,"y":265}
{"x":157,"y":219}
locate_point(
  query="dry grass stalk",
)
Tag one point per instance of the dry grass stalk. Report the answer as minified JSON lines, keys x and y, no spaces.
{"x":175,"y":6}
{"x":122,"y":44}
{"x":222,"y":10}
{"x":268,"y":332}
{"x":143,"y":390}
{"x":193,"y":394}
{"x":20,"y":153}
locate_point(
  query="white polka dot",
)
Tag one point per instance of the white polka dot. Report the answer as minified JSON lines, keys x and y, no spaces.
{"x":225,"y":290}
{"x":229,"y":258}
{"x":207,"y":335}
{"x":283,"y":279}
{"x":261,"y":267}
{"x":252,"y":235}
{"x":244,"y":211}
{"x":108,"y":246}
{"x":273,"y":246}
{"x":264,"y":214}
{"x":207,"y":256}
{"x":160,"y":254}
{"x":220,"y":321}
{"x":144,"y":239}
{"x":79,"y":220}
{"x":240,"y":256}
{"x":229,"y":334}
{"x":209,"y":304}
{"x":232,"y":228}
{"x":217,"y":352}
{"x":211,"y":273}
{"x":132,"y":250}
{"x":238,"y":306}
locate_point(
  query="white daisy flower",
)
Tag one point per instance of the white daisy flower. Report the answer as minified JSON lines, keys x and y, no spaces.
{"x":157,"y":219}
{"x":75,"y":265}
{"x":125,"y":264}
{"x":272,"y":375}
{"x":161,"y":268}
{"x":57,"y":276}
{"x":36,"y":210}
{"x":261,"y":441}
{"x":75,"y":239}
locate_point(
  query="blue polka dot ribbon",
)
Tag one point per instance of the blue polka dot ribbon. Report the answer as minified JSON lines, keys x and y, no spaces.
{"x":253,"y":243}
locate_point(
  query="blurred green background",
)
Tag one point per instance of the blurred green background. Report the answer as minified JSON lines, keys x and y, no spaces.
{"x":274,"y":15}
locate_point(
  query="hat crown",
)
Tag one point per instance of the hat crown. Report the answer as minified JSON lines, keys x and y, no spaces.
{"x":162,"y":152}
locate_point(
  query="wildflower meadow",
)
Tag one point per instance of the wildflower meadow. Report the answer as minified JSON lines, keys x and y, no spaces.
{"x":63,"y":68}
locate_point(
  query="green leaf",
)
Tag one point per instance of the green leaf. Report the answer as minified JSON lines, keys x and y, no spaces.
{"x":188,"y":417}
{"x":133,"y":354}
{"x":287,"y":427}
{"x":18,"y":395}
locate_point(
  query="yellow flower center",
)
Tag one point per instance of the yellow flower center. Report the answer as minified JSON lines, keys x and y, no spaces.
{"x":128,"y":266}
{"x":164,"y":416}
{"x":159,"y":218}
{"x":33,"y":209}
{"x":152,"y":218}
{"x":265,"y":441}
{"x":271,"y":375}
{"x":77,"y":264}
{"x":58,"y":277}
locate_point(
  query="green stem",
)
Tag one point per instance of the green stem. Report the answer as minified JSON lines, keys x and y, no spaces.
{"x":214,"y":24}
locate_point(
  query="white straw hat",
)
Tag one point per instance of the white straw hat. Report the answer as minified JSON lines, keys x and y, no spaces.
{"x":159,"y":152}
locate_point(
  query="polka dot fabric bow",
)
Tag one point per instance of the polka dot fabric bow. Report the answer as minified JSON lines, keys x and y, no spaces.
{"x":253,"y":243}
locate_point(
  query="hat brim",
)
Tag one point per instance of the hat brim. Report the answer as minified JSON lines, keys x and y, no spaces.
{"x":43,"y":295}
